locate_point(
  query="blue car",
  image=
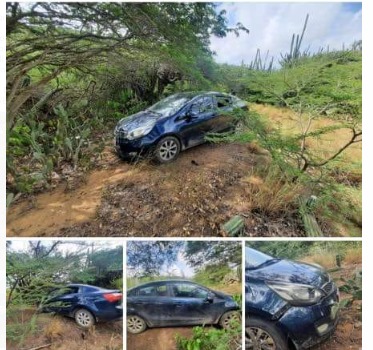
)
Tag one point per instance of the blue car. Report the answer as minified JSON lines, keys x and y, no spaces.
{"x":178,"y":303}
{"x":174,"y":124}
{"x":289,"y":305}
{"x":86,"y":304}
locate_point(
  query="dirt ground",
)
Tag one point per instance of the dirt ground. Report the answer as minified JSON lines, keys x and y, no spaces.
{"x":60,"y":333}
{"x":157,"y":338}
{"x":192,"y":196}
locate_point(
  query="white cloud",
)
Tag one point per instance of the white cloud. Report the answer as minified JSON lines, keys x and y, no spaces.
{"x":271,"y":27}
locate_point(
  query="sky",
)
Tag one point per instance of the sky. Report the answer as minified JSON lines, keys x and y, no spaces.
{"x":272,"y":25}
{"x":181,"y":268}
{"x":70,"y":247}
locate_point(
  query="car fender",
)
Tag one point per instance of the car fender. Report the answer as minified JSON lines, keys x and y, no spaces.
{"x":182,"y":146}
{"x":261,"y":301}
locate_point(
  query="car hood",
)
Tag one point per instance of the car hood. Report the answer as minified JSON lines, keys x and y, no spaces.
{"x":136,"y":120}
{"x":222,"y":295}
{"x":291,"y":272}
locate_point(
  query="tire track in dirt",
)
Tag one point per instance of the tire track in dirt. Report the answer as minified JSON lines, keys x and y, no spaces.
{"x":157,"y":338}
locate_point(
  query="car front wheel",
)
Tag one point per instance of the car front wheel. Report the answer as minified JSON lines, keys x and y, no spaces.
{"x":135,"y":324}
{"x":261,"y":335}
{"x":84,"y":318}
{"x":229,"y":319}
{"x":167,"y":149}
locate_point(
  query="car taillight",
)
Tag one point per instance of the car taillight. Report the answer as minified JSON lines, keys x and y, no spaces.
{"x":113,"y":297}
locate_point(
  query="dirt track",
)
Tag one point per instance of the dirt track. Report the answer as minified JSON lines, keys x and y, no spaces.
{"x":157,"y":338}
{"x":192,"y":196}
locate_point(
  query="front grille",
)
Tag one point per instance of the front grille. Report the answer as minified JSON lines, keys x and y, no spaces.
{"x":121,"y":136}
{"x":328,"y":287}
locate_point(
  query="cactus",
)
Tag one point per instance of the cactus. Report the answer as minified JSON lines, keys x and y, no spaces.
{"x":310,"y":224}
{"x":295,"y":51}
{"x":259,"y":64}
{"x":234,"y":227}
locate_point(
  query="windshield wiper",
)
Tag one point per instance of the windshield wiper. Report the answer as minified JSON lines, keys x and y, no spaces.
{"x":267,"y":262}
{"x":150,"y":111}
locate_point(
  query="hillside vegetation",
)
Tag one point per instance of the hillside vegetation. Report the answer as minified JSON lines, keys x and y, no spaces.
{"x":68,"y":84}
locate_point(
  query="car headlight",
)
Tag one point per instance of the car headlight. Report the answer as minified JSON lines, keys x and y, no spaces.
{"x":297,"y":294}
{"x":140,"y":131}
{"x":119,"y":124}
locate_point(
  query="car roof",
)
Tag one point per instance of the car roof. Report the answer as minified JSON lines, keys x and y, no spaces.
{"x":82,"y":285}
{"x":192,"y":94}
{"x":163,"y":281}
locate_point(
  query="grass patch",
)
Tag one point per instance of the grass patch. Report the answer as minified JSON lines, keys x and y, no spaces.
{"x":353,"y":256}
{"x":326,"y":259}
{"x":268,"y":191}
{"x":20,"y":325}
{"x":211,"y":339}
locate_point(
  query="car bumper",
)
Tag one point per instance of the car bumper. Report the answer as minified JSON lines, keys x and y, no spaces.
{"x":308,"y":326}
{"x":132,"y":148}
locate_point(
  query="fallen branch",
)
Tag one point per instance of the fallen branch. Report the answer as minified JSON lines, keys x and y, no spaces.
{"x":40,"y":347}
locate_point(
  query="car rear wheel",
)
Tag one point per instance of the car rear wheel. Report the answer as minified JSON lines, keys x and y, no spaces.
{"x":229,"y":319}
{"x":167,"y":149}
{"x":261,"y":335}
{"x":135,"y":324}
{"x":84,"y":318}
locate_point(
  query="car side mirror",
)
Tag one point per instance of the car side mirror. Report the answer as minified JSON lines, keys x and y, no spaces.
{"x":192,"y":113}
{"x":210,"y":297}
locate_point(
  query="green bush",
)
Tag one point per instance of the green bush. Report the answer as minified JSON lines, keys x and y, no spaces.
{"x":210,"y":339}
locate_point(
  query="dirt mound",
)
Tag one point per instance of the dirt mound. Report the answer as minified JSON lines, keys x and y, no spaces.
{"x":192,"y":196}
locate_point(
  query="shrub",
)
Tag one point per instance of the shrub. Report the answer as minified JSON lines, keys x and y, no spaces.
{"x":211,"y":339}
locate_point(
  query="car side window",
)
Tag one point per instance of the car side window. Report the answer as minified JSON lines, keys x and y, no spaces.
{"x":187,"y":290}
{"x":153,"y":291}
{"x":203,"y":105}
{"x":223,"y":102}
{"x":88,"y":289}
{"x":62,"y":291}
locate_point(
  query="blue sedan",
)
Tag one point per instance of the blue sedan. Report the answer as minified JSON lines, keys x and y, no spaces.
{"x":178,"y":303}
{"x":289,"y":305}
{"x":175,"y":123}
{"x":86,"y":304}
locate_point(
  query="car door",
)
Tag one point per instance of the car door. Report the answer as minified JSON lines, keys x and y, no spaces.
{"x":62,"y":300}
{"x":191,"y":304}
{"x":196,"y":121}
{"x":152,"y":303}
{"x":224,"y":120}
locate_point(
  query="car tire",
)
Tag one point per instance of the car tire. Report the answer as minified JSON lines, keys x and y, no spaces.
{"x":229,"y":317}
{"x":135,"y":324}
{"x":261,"y":335}
{"x":239,"y":127}
{"x":167,"y":149}
{"x":84,"y":318}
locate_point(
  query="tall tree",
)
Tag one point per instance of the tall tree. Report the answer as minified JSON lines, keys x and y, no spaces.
{"x":148,"y":258}
{"x":201,"y":253}
{"x":54,"y":37}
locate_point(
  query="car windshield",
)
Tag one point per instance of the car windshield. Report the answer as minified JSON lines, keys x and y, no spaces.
{"x":170,"y":105}
{"x":254,"y":258}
